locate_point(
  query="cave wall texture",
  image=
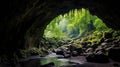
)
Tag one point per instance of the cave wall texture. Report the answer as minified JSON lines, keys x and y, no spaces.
{"x":22,"y":22}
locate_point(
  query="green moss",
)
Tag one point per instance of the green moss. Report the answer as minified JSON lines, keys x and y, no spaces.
{"x":34,"y":51}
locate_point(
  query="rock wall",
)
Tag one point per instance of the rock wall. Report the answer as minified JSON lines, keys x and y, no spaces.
{"x":22,"y":22}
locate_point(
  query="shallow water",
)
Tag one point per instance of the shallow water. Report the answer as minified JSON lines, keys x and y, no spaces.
{"x":55,"y":60}
{"x":78,"y":61}
{"x":60,"y":61}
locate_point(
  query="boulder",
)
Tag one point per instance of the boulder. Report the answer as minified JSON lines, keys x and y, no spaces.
{"x":74,"y":53}
{"x":114,"y":54}
{"x":89,"y":50}
{"x":66,"y":55}
{"x":97,"y":58}
{"x":60,"y":52}
{"x":79,"y":51}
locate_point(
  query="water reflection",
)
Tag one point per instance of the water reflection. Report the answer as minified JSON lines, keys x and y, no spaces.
{"x":55,"y":60}
{"x":59,"y":60}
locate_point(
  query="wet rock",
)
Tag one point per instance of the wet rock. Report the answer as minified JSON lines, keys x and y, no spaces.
{"x":72,"y":48}
{"x":74,"y":53}
{"x":60,"y":52}
{"x":116,"y":43}
{"x":114,"y":54}
{"x":54,"y":55}
{"x":100,"y":50}
{"x":90,"y":58}
{"x":108,"y":40}
{"x":89,"y":50}
{"x":110,"y":47}
{"x":66,"y":55}
{"x":101,"y":41}
{"x":68,"y":52}
{"x":104,"y":43}
{"x":97,"y":58}
{"x":108,"y":35}
{"x":94,"y":46}
{"x":84,"y":44}
{"x":79,"y":51}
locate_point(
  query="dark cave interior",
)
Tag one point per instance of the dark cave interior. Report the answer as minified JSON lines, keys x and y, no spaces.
{"x":21,"y":20}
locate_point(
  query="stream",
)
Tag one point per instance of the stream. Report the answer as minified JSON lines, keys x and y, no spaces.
{"x":53,"y":60}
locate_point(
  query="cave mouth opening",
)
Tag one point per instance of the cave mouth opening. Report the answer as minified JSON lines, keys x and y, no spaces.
{"x":76,"y":24}
{"x":77,"y":28}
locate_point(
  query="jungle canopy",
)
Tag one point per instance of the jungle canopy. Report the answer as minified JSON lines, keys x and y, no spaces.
{"x":74,"y":24}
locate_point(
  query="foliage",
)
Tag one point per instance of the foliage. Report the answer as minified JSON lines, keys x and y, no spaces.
{"x":116,"y":34}
{"x":34,"y":51}
{"x":74,"y":24}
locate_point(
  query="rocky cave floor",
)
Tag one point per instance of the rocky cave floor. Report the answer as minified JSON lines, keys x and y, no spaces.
{"x":106,"y":54}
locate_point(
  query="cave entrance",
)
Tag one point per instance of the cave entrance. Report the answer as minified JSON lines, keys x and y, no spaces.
{"x":74,"y":28}
{"x":71,"y":34}
{"x":74,"y":24}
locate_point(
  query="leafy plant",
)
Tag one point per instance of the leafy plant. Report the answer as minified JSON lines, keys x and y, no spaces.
{"x":74,"y":24}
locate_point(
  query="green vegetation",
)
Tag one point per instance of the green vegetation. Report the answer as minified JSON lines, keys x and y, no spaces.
{"x":78,"y":26}
{"x":34,"y":51}
{"x":75,"y":24}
